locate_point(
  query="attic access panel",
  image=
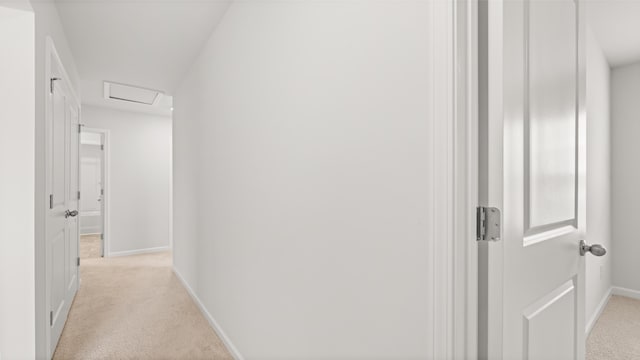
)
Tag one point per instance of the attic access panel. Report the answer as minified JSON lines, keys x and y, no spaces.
{"x":130,"y":93}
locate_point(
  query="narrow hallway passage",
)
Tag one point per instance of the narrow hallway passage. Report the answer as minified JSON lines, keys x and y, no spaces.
{"x":134,"y":307}
{"x":90,"y":246}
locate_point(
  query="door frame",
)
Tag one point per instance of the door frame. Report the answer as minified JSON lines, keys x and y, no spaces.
{"x":106,"y":176}
{"x":454,"y":261}
{"x":490,"y":117}
{"x":455,"y":266}
{"x":465,"y":178}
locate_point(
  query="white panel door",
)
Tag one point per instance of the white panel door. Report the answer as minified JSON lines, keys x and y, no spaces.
{"x":536,"y":166}
{"x":91,"y":185}
{"x":91,"y":201}
{"x":62,"y":221}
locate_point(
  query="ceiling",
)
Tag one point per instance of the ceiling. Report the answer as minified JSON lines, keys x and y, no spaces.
{"x":151,"y":43}
{"x":616,"y":26}
{"x":146,"y":43}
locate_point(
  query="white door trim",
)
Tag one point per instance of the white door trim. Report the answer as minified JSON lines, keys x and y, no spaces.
{"x":454,"y":37}
{"x":465,"y":257}
{"x":490,"y":172}
{"x":106,"y":199}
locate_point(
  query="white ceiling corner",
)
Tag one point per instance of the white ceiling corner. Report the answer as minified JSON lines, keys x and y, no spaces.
{"x":146,"y":43}
{"x":616,"y":26}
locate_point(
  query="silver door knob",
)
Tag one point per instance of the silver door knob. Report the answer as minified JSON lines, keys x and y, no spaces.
{"x":69,"y":213}
{"x":595,"y":249}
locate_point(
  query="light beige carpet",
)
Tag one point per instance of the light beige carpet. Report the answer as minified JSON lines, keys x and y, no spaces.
{"x":134,"y":307}
{"x":90,"y":246}
{"x":616,"y":334}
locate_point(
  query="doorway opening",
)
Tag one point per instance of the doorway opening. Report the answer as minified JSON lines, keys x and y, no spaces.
{"x":93,"y":193}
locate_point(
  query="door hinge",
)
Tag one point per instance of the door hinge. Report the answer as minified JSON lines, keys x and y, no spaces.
{"x":51,"y":318}
{"x":487,"y":224}
{"x":80,"y":128}
{"x":78,"y":261}
{"x":50,"y":201}
{"x":102,"y":192}
{"x":78,"y":194}
{"x":101,"y":236}
{"x":51,"y":83}
{"x":101,"y":146}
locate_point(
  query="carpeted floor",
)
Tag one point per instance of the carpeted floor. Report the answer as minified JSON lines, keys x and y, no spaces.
{"x":134,"y":307}
{"x":616,"y":335}
{"x":90,"y":246}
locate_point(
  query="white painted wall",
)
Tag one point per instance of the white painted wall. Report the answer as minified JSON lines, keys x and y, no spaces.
{"x":139,"y":178}
{"x":17,"y":161}
{"x":598,"y":269}
{"x":47,"y":25}
{"x":303,"y":174}
{"x":625,"y":148}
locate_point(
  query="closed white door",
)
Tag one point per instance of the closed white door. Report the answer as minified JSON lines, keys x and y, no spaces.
{"x":535,"y":173}
{"x":62,"y":221}
{"x":91,"y":186}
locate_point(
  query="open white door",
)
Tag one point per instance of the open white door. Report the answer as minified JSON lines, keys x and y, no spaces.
{"x":533,"y":169}
{"x":62,"y":183}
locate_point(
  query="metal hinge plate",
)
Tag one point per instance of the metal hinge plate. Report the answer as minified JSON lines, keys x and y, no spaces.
{"x":50,"y":201}
{"x":487,"y":224}
{"x":78,"y":194}
{"x":50,"y":318}
{"x":78,"y":261}
{"x":102,"y":147}
{"x":51,"y":83}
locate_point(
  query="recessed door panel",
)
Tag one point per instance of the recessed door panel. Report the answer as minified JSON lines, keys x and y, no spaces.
{"x":58,"y":148}
{"x":58,"y":271}
{"x":543,"y":339}
{"x":551,"y":85}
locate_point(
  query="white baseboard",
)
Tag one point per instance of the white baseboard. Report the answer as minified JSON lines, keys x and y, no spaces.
{"x":139,"y":251}
{"x":93,"y":232}
{"x":634,"y":294}
{"x":214,"y":324}
{"x":596,"y":315}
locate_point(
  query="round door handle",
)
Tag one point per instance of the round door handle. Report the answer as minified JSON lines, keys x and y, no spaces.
{"x":595,"y":249}
{"x":69,"y":213}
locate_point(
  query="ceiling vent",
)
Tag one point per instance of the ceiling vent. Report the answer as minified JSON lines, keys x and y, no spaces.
{"x":130,"y":93}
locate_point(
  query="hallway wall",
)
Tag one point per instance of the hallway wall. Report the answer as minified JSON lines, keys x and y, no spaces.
{"x":598,"y":269}
{"x":140,"y":178}
{"x":625,"y":132}
{"x":304,"y":192}
{"x":17,"y":180}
